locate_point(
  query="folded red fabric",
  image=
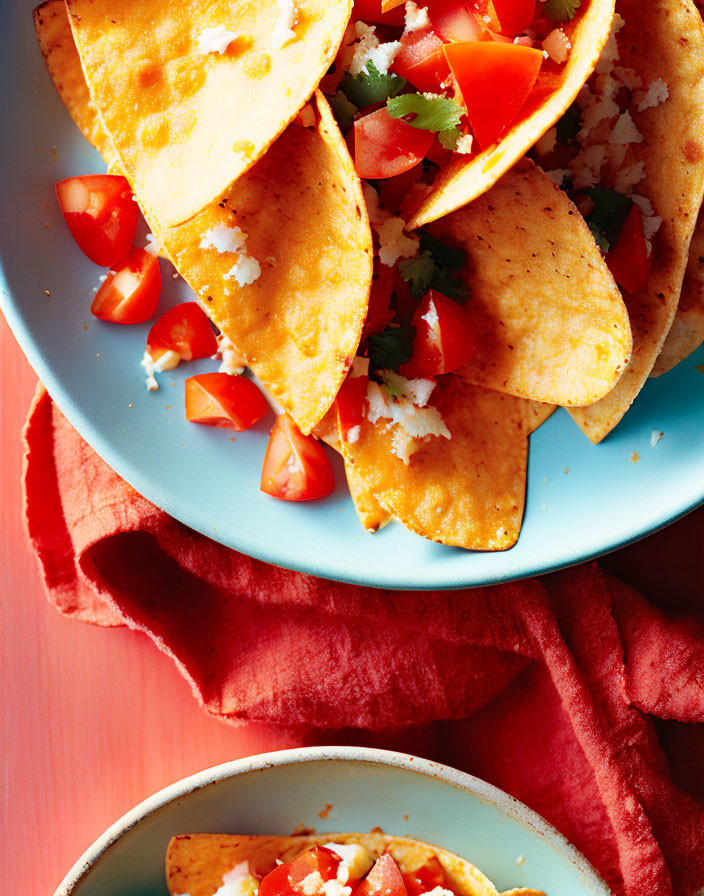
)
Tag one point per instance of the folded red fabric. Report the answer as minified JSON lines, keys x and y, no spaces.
{"x":572,"y":692}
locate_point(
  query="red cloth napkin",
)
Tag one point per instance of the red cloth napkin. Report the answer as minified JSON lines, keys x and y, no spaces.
{"x":572,"y":692}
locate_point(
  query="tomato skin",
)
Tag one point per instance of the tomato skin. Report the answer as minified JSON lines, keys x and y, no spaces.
{"x":445,"y":345}
{"x":101,"y":215}
{"x":369,"y":11}
{"x":425,"y":878}
{"x":350,"y":404}
{"x":183,"y":329}
{"x":393,"y":190}
{"x":495,"y":79}
{"x":131,"y":292}
{"x":385,"y":879}
{"x":296,"y":468}
{"x":421,"y":60}
{"x":629,"y":261}
{"x":514,"y":16}
{"x":386,"y":146}
{"x":220,"y":399}
{"x":452,"y":20}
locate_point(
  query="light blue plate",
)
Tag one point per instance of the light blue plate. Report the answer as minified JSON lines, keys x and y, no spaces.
{"x":212,"y":484}
{"x":276,"y":792}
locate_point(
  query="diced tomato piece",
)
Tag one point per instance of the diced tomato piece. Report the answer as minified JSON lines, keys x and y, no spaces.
{"x":425,"y":878}
{"x":445,"y":337}
{"x":495,"y":80}
{"x":369,"y":11}
{"x":296,"y":468}
{"x":101,"y":215}
{"x":421,"y":60}
{"x":385,"y":879}
{"x":386,"y":146}
{"x":452,"y":20}
{"x":514,"y":16}
{"x":220,"y":399}
{"x":284,"y":880}
{"x":393,"y":190}
{"x":378,"y":314}
{"x":437,"y":154}
{"x":130,"y":294}
{"x":183,"y":329}
{"x":350,"y":405}
{"x":629,"y":261}
{"x":405,"y":303}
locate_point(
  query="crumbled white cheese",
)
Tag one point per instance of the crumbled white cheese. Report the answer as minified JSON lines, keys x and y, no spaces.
{"x":586,"y":166}
{"x":152,"y":247}
{"x":464,"y":144}
{"x":416,"y":17}
{"x":233,"y":361}
{"x":441,"y":891}
{"x":245,"y":270}
{"x":360,"y":367}
{"x":644,"y":204}
{"x":334,"y":887}
{"x":306,"y":117}
{"x":625,"y":130}
{"x":239,"y":882}
{"x":558,"y":175}
{"x":224,"y":239}
{"x":215,"y":40}
{"x":283,"y":32}
{"x":609,"y":54}
{"x":313,"y":883}
{"x":352,"y":435}
{"x":167,"y":361}
{"x":369,"y":49}
{"x":655,"y":437}
{"x":656,"y":93}
{"x":394,"y":243}
{"x":627,"y":178}
{"x":557,"y":45}
{"x":523,"y":40}
{"x":628,"y":77}
{"x":594,"y":113}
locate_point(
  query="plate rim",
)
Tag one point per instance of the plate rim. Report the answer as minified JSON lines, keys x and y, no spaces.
{"x":474,"y":786}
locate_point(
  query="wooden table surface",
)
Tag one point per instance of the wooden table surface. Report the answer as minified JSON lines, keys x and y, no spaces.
{"x":92,"y":720}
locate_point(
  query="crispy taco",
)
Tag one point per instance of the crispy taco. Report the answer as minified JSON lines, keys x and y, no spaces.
{"x":631,"y":154}
{"x":446,"y":97}
{"x":194,"y":97}
{"x":322,"y":865}
{"x":294,"y":312}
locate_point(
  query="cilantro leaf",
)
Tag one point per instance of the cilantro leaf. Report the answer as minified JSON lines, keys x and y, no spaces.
{"x":446,"y":256}
{"x":451,"y":286}
{"x":561,"y":10}
{"x":610,"y":212}
{"x":600,"y":238}
{"x":371,"y":86}
{"x":569,"y":125}
{"x":391,"y":348}
{"x":419,"y":272}
{"x":448,"y":139}
{"x":431,"y":113}
{"x":342,"y":109}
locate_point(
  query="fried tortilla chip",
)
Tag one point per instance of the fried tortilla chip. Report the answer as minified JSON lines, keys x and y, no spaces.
{"x":64,"y":65}
{"x":687,"y":330}
{"x":196,"y":863}
{"x":467,"y":491}
{"x":303,"y":212}
{"x":299,"y":323}
{"x":660,"y":39}
{"x":462,"y":180}
{"x":194,"y":95}
{"x":550,"y":320}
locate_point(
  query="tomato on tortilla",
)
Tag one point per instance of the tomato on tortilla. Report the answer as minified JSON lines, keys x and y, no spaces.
{"x":350,"y":405}
{"x":495,"y":79}
{"x":296,"y":468}
{"x":183,"y":329}
{"x":514,"y":16}
{"x":101,"y":215}
{"x":385,"y":879}
{"x":629,"y":261}
{"x":220,"y":399}
{"x":453,"y":21}
{"x":445,"y":337}
{"x":426,"y":878}
{"x":131,"y":292}
{"x":421,"y":60}
{"x":386,"y":146}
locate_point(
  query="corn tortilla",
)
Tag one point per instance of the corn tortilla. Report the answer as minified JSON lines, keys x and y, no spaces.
{"x":550,"y":320}
{"x":660,"y":39}
{"x":196,"y":863}
{"x":462,"y":180}
{"x":467,"y":491}
{"x":186,"y":123}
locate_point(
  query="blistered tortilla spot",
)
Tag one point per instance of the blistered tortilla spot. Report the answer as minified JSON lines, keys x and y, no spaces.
{"x":154,"y":133}
{"x":258,"y":66}
{"x":150,"y":75}
{"x":693,"y":152}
